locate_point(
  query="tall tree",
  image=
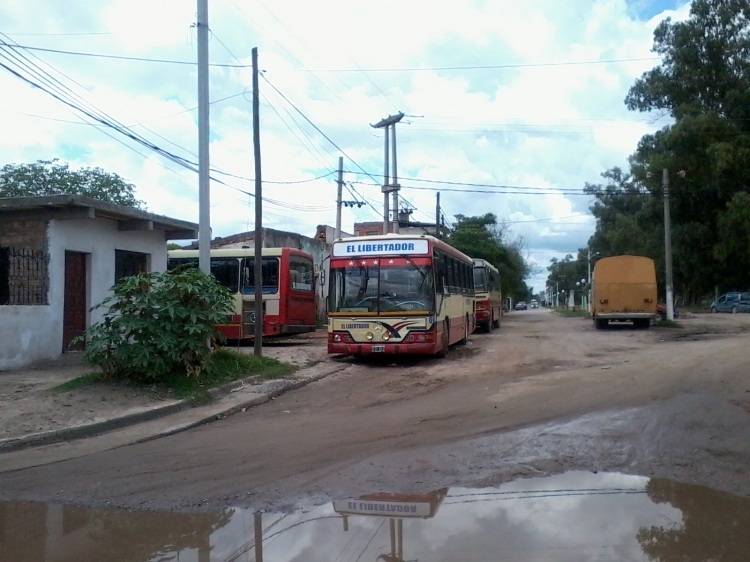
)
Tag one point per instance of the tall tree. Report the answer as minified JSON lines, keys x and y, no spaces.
{"x":47,"y":177}
{"x":482,"y":237}
{"x":703,"y":83}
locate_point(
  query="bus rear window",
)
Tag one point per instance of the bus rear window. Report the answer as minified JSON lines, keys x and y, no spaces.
{"x":300,"y":274}
{"x":269,"y":275}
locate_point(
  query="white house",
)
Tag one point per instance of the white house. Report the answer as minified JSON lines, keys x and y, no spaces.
{"x":59,"y":256}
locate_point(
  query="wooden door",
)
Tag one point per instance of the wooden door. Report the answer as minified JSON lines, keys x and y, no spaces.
{"x":74,"y":303}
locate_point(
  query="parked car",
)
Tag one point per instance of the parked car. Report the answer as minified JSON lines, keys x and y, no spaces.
{"x":731,"y":302}
{"x":520,"y":305}
{"x":661,"y":310}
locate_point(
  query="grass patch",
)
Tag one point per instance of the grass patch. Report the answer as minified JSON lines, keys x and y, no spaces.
{"x":571,"y":313}
{"x":227,"y":366}
{"x":78,"y":382}
{"x":665,"y":324}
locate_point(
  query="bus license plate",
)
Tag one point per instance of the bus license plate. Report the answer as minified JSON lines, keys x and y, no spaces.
{"x":378,"y":349}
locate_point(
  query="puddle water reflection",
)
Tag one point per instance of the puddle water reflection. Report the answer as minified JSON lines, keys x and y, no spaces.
{"x":571,"y":517}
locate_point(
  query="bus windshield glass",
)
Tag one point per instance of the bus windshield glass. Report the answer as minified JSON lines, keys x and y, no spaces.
{"x":372,"y":288}
{"x":480,"y":279}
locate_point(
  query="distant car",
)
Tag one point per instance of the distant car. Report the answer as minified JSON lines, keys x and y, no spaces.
{"x":731,"y":302}
{"x":520,"y":305}
{"x":534,"y":304}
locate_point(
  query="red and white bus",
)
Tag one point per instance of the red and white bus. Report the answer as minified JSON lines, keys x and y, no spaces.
{"x":488,"y":295}
{"x":288,"y":289}
{"x":398,"y":294}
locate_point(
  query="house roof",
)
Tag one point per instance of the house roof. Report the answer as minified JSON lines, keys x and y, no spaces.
{"x":69,"y":207}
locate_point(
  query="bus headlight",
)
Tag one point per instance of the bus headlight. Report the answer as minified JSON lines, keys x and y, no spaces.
{"x":337,"y":338}
{"x":369,"y":336}
{"x":386,"y":336}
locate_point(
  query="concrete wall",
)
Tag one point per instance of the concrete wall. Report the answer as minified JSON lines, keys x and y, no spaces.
{"x":34,"y":333}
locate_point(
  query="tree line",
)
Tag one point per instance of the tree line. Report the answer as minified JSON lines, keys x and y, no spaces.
{"x":703,"y":85}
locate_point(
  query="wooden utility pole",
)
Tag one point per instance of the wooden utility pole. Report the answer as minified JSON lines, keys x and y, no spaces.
{"x":258,"y":269}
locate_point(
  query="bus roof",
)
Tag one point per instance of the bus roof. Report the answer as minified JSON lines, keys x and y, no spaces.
{"x":237,"y":253}
{"x":479,"y":262}
{"x":434,"y":242}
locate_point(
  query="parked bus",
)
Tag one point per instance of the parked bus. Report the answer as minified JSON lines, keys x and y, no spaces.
{"x":624,"y":289}
{"x":288,"y":289}
{"x":398,"y":294}
{"x":488,"y":295}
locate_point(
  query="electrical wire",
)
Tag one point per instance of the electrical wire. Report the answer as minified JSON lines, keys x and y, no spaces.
{"x":483,"y":67}
{"x":116,"y":57}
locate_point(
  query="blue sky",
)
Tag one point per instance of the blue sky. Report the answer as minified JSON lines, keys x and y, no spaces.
{"x":548,"y":117}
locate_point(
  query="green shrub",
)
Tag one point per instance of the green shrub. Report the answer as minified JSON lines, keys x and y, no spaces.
{"x":156,"y":326}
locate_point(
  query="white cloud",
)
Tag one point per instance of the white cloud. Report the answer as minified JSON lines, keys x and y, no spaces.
{"x":539,"y":126}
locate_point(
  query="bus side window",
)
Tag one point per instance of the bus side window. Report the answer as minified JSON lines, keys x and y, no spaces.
{"x":439,"y":265}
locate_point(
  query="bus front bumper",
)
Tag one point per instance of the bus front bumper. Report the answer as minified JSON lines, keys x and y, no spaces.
{"x":422,"y":348}
{"x":625,"y":315}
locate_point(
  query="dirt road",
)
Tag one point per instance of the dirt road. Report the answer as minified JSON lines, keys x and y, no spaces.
{"x":542,"y":395}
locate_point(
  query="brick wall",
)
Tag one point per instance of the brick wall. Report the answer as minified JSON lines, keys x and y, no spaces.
{"x":24,"y":235}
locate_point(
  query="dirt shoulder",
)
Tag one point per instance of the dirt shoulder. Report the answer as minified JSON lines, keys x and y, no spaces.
{"x":541,"y":395}
{"x":29,"y":405}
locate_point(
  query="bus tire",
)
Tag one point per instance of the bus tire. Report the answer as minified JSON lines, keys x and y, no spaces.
{"x":601,"y":324}
{"x":496,"y":321}
{"x":464,"y":340}
{"x":443,"y":351}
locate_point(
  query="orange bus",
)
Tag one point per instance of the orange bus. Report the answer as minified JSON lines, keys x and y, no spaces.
{"x":398,"y":294}
{"x":288,"y":289}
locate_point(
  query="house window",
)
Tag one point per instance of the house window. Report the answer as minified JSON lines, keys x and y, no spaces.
{"x":371,"y":232}
{"x":23,"y":277}
{"x":128,"y":264}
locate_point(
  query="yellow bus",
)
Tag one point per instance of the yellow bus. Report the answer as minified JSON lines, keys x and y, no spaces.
{"x":624,"y":289}
{"x":489,"y":297}
{"x":398,"y":294}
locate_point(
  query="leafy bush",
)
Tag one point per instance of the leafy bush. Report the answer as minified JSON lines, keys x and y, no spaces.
{"x":157,"y":324}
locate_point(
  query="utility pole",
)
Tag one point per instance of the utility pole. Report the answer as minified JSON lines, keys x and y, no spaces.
{"x":386,"y":194}
{"x":258,"y":261}
{"x":590,"y":255}
{"x":668,"y":245}
{"x":437,"y":216}
{"x":388,"y":187}
{"x":339,"y":196}
{"x":396,"y":218}
{"x":204,"y":178}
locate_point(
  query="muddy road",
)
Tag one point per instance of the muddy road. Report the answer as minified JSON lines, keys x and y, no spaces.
{"x":542,"y":395}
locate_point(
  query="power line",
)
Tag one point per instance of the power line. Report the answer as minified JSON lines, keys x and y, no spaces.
{"x":482,"y":67}
{"x":58,"y":34}
{"x":117,"y":57}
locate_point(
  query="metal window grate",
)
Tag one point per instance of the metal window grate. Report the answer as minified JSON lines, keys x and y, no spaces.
{"x":23,"y":277}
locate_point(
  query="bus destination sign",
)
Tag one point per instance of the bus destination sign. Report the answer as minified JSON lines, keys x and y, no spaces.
{"x":381,"y":248}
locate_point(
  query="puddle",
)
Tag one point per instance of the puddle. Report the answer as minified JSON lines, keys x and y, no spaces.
{"x":572,"y":517}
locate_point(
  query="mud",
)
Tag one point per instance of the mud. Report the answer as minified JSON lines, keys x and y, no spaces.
{"x":640,"y":402}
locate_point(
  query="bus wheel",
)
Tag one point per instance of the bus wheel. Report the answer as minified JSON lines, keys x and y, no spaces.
{"x":601,"y":324}
{"x":465,"y":339}
{"x":443,"y":351}
{"x":496,"y":322}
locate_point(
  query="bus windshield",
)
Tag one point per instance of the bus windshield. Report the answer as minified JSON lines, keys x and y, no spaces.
{"x":480,"y":279}
{"x":399,"y":288}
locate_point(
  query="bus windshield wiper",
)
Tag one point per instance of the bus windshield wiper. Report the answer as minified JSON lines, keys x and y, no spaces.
{"x":419,"y":269}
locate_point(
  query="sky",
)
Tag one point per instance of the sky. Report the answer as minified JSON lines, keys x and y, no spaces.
{"x":520,"y":99}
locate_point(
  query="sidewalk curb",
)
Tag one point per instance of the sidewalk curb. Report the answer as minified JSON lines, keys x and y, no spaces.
{"x":266,"y":391}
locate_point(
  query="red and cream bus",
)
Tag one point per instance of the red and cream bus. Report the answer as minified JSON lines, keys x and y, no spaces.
{"x":398,"y":294}
{"x":288,"y":289}
{"x":488,"y":295}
